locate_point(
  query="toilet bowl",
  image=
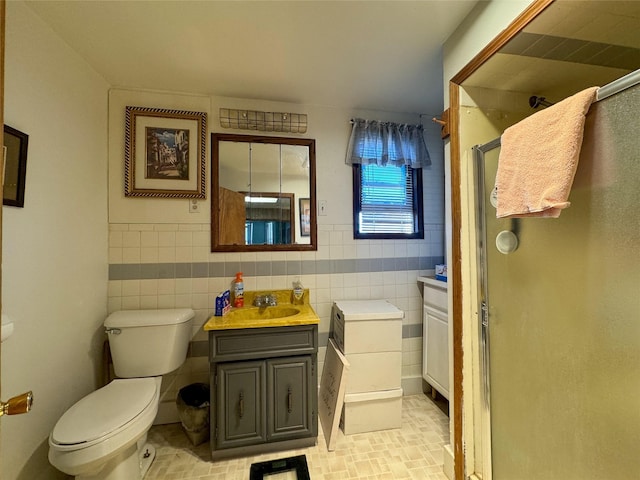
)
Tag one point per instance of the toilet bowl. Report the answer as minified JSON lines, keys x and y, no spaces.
{"x":101,"y":433}
{"x":103,"y":436}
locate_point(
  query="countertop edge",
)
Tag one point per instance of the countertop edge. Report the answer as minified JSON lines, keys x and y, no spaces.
{"x":264,"y":324}
{"x":433,"y":282}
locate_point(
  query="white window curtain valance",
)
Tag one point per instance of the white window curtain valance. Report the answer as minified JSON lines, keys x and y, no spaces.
{"x":382,"y":143}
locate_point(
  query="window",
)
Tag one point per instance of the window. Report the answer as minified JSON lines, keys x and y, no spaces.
{"x":387,"y":201}
{"x":387,"y":162}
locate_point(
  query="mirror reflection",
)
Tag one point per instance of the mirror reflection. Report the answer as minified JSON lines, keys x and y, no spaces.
{"x":269,"y":218}
{"x":259,"y":185}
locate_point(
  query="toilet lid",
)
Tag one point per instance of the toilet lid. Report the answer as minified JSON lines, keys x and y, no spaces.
{"x":104,"y":410}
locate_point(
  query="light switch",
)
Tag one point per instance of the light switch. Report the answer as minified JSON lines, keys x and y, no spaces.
{"x":322,"y":207}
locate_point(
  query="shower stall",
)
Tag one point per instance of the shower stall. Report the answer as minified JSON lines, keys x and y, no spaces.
{"x":560,"y":312}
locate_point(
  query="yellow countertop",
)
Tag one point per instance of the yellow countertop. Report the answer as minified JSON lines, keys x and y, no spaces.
{"x":254,"y":317}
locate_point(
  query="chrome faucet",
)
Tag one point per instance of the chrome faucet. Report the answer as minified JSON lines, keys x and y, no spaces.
{"x":267,"y":300}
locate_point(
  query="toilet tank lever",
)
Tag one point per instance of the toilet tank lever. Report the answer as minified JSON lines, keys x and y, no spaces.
{"x":114,"y":331}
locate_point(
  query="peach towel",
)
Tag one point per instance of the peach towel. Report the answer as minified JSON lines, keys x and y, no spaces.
{"x":539,"y":157}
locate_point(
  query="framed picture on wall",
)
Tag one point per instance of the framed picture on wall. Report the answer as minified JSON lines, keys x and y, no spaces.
{"x":305,"y":217}
{"x":15,"y":166}
{"x":164,"y":153}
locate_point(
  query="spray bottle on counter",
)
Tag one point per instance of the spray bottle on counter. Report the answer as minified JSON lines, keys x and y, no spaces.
{"x":238,"y":291}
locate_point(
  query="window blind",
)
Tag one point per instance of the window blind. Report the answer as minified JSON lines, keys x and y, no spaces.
{"x":386,"y":200}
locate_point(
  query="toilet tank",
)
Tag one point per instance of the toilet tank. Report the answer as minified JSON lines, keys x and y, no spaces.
{"x":148,"y":343}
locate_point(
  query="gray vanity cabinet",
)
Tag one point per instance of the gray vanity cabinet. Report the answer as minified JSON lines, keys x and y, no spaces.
{"x":241,"y":388}
{"x":263,"y":389}
{"x":289,"y":391}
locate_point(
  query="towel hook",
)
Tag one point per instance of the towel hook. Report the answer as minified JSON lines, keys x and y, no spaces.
{"x":535,"y":102}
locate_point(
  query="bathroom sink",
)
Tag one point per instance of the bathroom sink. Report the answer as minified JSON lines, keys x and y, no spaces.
{"x":262,"y":313}
{"x":286,"y":313}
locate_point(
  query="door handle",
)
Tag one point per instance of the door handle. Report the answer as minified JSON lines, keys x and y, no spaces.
{"x":17,"y":405}
{"x":241,"y":405}
{"x":289,"y":400}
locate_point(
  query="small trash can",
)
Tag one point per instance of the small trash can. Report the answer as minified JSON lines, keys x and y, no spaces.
{"x":193,"y":410}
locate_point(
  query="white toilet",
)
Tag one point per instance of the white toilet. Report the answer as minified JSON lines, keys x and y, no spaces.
{"x":103,"y":436}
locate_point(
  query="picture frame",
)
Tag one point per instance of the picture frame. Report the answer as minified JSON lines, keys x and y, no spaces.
{"x":14,"y":174}
{"x":304,"y":205}
{"x":164,"y":153}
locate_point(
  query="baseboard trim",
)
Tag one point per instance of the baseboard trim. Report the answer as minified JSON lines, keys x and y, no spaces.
{"x":411,"y":385}
{"x":448,"y":466}
{"x":167,"y":413}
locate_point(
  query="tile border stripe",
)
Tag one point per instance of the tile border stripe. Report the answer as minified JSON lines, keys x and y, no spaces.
{"x":151,"y":271}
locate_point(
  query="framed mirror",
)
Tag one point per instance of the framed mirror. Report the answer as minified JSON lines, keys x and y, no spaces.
{"x":15,"y":166}
{"x":258,"y":186}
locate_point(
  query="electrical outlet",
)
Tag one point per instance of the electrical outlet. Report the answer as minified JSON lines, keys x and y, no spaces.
{"x":322,"y":207}
{"x":194,"y":206}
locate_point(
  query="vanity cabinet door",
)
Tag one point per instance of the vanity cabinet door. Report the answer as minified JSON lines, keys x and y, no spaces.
{"x":436,"y":350}
{"x":241,"y":393}
{"x":289,"y":393}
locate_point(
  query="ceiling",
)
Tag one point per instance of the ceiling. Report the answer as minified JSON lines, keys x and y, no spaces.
{"x":380,"y":55}
{"x":570,"y":46}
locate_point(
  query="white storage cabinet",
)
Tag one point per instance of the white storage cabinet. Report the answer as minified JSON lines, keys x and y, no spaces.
{"x":435,"y":346}
{"x":369,"y":333}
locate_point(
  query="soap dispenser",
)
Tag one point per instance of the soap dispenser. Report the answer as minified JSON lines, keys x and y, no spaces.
{"x":298,"y":291}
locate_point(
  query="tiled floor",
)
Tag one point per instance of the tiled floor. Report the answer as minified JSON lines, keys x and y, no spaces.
{"x":412,"y":452}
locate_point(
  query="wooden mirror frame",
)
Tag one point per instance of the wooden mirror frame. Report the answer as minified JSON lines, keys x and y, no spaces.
{"x":216,"y":245}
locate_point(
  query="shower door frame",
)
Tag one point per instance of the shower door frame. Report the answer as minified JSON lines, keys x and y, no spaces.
{"x":460,"y":435}
{"x":479,"y":152}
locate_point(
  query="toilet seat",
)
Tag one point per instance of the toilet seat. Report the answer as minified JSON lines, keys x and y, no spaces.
{"x":104,"y":413}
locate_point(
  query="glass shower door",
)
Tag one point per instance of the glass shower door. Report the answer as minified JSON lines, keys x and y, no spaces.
{"x":563,"y":315}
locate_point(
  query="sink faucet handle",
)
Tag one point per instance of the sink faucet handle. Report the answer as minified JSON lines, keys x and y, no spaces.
{"x":266,"y":300}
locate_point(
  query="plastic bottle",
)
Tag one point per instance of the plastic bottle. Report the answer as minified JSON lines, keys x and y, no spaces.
{"x":298,"y":291}
{"x":238,"y":291}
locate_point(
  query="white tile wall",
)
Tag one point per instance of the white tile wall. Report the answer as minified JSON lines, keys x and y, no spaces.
{"x":169,"y":243}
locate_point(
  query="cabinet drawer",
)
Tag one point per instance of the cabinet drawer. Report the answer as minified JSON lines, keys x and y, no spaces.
{"x":369,"y":372}
{"x":232,"y":345}
{"x":435,"y":297}
{"x":365,"y":336}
